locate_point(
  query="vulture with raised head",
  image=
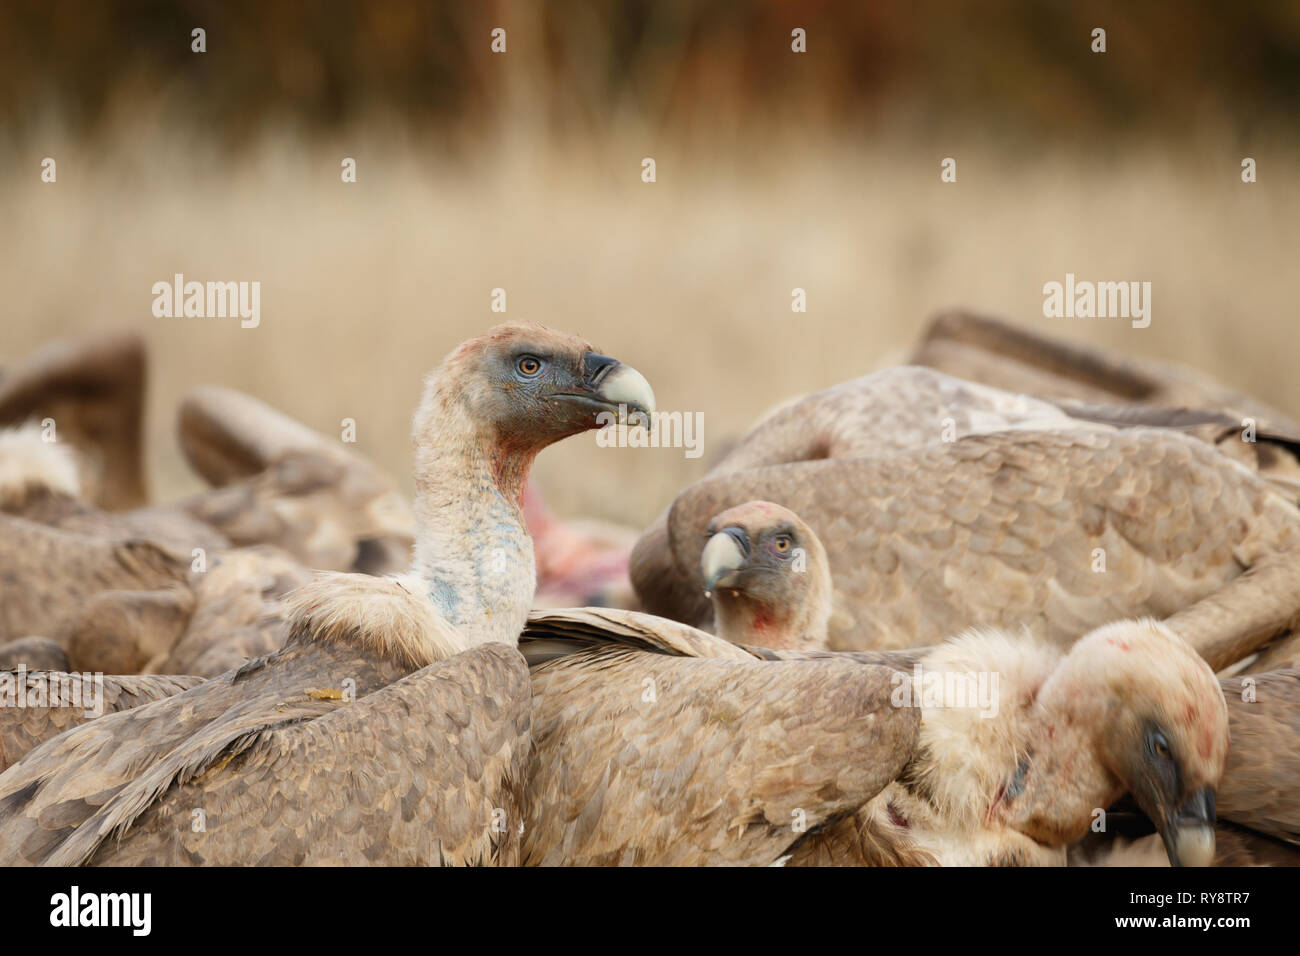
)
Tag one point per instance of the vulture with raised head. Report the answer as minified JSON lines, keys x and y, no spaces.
{"x":767,"y":574}
{"x":393,"y":725}
{"x":1062,"y":527}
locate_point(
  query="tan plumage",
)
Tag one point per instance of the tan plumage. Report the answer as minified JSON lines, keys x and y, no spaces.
{"x":1261,"y":784}
{"x":93,"y":389}
{"x":62,"y":705}
{"x":890,"y":411}
{"x":393,"y":725}
{"x":1021,"y":359}
{"x":278,"y":482}
{"x":238,"y":612}
{"x":1088,"y":382}
{"x":620,"y":777}
{"x":126,"y":605}
{"x":1003,"y":530}
{"x":50,"y":574}
{"x":33,"y":652}
{"x":655,"y":744}
{"x":1070,"y":735}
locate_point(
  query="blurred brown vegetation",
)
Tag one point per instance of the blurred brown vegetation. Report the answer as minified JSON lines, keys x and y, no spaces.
{"x":676,"y":66}
{"x":522,"y":171}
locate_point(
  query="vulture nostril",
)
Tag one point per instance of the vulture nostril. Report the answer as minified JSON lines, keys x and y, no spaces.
{"x":597,"y":367}
{"x":742,"y":539}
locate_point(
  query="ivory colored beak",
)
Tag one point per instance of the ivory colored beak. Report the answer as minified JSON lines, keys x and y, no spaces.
{"x":626,"y":386}
{"x":722,"y":555}
{"x":1189,"y":832}
{"x":1194,"y":846}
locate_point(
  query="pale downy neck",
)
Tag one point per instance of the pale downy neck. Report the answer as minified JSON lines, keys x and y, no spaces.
{"x":1056,"y":792}
{"x":472,"y":552}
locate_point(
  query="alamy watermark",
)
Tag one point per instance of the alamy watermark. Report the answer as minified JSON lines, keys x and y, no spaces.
{"x":208,"y":300}
{"x":930,"y":689}
{"x":1085,"y":300}
{"x":664,"y":430}
{"x":52,"y":689}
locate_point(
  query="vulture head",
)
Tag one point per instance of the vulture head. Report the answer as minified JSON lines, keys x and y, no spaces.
{"x":768,"y":576}
{"x":521,"y":387}
{"x":1161,"y":724}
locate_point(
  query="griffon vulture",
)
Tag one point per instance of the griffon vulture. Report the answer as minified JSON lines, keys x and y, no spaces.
{"x":1061,"y":527}
{"x":393,"y":725}
{"x":657,"y":743}
{"x":770,"y":589}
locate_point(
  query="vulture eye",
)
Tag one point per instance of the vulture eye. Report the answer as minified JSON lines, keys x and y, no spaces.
{"x":783,"y":543}
{"x":529,"y":366}
{"x":1159,"y":745}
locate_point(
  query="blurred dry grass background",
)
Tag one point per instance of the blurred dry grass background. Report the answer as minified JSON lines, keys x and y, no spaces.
{"x":523,"y":172}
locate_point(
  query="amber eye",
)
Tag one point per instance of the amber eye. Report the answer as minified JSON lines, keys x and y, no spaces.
{"x":783,"y":543}
{"x":529,"y":366}
{"x":1160,"y":745}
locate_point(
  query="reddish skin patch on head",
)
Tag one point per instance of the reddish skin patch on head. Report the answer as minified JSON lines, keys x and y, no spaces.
{"x":896,"y":818}
{"x":1207,"y":742}
{"x":1119,"y":642}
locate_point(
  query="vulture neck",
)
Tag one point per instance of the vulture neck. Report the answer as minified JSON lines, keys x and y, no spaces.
{"x":472,"y":552}
{"x":744,"y":621}
{"x":1053,"y":794}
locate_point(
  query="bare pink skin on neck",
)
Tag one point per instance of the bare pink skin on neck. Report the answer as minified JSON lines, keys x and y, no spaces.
{"x":742,"y":620}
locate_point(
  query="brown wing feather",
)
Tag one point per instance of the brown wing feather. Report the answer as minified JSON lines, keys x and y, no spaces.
{"x":93,"y":388}
{"x":49,"y":574}
{"x":428,"y":770}
{"x":23,"y":728}
{"x":1261,"y":782}
{"x":1019,"y":359}
{"x":68,"y":779}
{"x":646,"y":757}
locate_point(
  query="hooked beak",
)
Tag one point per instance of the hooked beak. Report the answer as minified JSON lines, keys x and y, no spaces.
{"x":1188,"y":832}
{"x":610,"y":384}
{"x":724,"y":554}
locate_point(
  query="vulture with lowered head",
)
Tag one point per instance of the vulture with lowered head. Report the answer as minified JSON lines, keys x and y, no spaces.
{"x":393,"y":725}
{"x":764,"y":597}
{"x":655,"y":743}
